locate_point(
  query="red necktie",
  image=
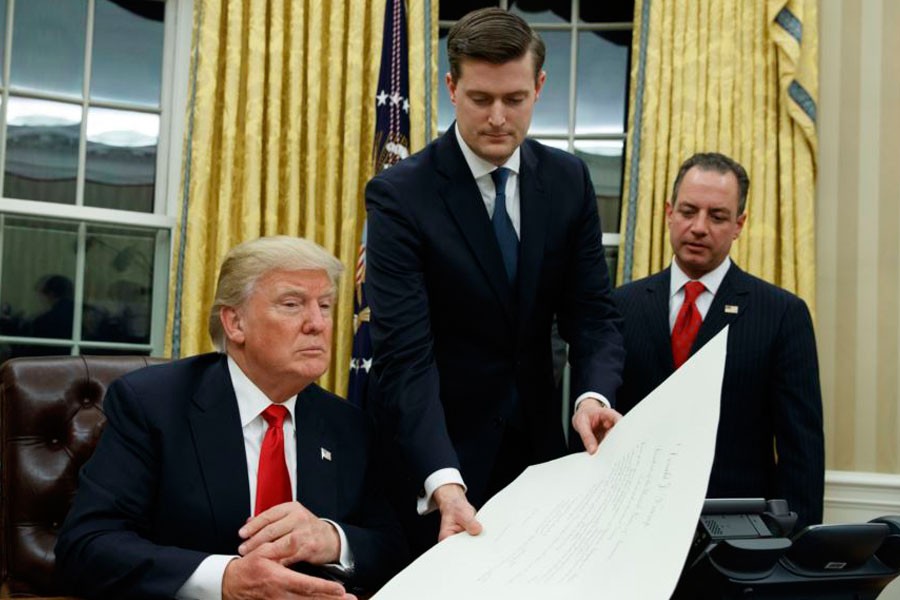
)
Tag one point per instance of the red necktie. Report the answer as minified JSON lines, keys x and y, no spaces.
{"x":687,"y":324}
{"x":273,"y":483}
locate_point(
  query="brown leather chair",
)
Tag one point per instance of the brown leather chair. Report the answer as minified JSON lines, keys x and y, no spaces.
{"x":51,"y":416}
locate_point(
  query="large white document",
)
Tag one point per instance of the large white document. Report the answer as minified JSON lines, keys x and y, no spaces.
{"x":617,"y":524}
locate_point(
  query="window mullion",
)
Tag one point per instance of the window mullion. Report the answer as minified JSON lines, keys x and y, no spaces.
{"x":79,"y":286}
{"x":85,"y":104}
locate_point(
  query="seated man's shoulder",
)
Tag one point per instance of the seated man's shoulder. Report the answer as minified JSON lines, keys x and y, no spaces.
{"x":175,"y":378}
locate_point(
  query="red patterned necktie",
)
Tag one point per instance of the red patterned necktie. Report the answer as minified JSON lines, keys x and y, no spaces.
{"x":273,"y":483}
{"x":687,"y":324}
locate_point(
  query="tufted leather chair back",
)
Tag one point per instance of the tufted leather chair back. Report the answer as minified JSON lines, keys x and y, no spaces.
{"x":51,"y":415}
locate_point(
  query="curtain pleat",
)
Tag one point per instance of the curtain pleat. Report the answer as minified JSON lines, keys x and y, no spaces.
{"x":280,"y":142}
{"x":733,"y":77}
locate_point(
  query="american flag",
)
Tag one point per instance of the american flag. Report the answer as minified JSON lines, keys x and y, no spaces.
{"x":391,"y":145}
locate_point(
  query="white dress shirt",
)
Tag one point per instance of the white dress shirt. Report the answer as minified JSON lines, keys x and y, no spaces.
{"x":711,"y":281}
{"x":481,"y":171}
{"x":206,"y":581}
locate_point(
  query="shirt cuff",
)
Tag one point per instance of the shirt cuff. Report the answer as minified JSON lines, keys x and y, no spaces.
{"x":205,"y":583}
{"x":426,"y":503}
{"x":346,"y":564}
{"x":598,"y":397}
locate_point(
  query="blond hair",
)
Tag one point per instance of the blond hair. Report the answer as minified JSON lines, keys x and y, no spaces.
{"x":246,"y":263}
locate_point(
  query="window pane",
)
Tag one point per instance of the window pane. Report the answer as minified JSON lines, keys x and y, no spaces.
{"x":621,"y":11}
{"x":551,"y":113}
{"x":120,"y":168}
{"x":9,"y":349}
{"x":602,"y":82}
{"x":113,"y":352}
{"x":612,"y":262}
{"x":604,"y":161}
{"x":41,"y":150}
{"x":126,"y":58}
{"x":118,"y":282}
{"x":48,"y":46}
{"x":445,"y":107}
{"x":542,"y":11}
{"x":37,"y":290}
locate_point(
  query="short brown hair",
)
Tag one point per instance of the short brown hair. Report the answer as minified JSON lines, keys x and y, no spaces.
{"x":715,"y":161}
{"x":246,"y":263}
{"x":493,"y":35}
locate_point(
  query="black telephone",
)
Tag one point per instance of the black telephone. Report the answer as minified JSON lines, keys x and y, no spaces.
{"x":744,"y":548}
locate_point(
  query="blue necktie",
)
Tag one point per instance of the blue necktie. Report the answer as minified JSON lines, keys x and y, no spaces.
{"x":503,"y":227}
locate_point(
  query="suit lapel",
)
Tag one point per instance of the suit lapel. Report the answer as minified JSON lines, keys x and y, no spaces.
{"x":462,"y":197}
{"x":318,"y":458}
{"x":730,"y":303}
{"x":216,"y":426}
{"x":658,"y":320}
{"x":534,"y":209}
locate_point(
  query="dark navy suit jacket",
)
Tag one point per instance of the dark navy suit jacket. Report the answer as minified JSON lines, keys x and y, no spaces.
{"x":770,"y":439}
{"x":454,"y":342}
{"x":168,"y":483}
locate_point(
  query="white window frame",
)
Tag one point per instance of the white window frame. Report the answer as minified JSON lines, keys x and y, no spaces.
{"x":178,"y":31}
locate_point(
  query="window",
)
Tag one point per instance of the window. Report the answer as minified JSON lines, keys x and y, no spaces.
{"x":583,"y":107}
{"x":90,"y":155}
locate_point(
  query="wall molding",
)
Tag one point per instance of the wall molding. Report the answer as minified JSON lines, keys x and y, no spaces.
{"x":857,"y":497}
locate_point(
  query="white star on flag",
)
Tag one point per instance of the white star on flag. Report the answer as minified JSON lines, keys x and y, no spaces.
{"x":396,"y":98}
{"x":366,"y":364}
{"x":406,"y":105}
{"x":381,"y":97}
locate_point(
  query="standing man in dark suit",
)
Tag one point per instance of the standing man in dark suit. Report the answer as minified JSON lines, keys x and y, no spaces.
{"x":474,"y":244}
{"x":770,"y":441}
{"x":216,"y":473}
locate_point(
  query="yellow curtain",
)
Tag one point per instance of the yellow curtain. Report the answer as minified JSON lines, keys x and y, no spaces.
{"x":738,"y":77}
{"x":279,"y":141}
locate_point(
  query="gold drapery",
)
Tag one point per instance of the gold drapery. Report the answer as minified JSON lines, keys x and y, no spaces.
{"x":279,"y":141}
{"x":738,"y":78}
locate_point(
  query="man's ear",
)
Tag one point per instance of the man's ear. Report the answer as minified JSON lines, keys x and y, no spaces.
{"x":742,"y":218}
{"x":539,"y":84}
{"x":451,"y":87}
{"x":232,"y":324}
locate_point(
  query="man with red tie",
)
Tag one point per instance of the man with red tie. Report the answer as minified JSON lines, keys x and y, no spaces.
{"x":232,"y":474}
{"x":770,"y":438}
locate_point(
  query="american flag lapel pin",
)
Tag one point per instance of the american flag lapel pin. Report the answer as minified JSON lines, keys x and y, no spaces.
{"x":326,"y":454}
{"x":731,"y":309}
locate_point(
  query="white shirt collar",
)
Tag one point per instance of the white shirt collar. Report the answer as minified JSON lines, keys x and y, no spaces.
{"x":711,"y":281}
{"x":478,"y":165}
{"x":251,"y":400}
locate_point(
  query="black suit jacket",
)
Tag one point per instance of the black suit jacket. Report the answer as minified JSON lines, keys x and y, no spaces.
{"x":168,"y":483}
{"x":457,"y":349}
{"x":770,"y":394}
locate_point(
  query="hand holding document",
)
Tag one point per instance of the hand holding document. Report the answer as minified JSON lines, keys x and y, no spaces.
{"x":617,"y":524}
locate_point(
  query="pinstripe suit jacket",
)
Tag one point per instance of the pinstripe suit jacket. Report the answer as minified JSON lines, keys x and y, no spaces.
{"x":770,"y":391}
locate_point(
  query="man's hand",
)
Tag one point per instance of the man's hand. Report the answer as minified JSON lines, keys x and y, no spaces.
{"x":290,"y":533}
{"x":457,"y":514}
{"x":259,"y":575}
{"x":593,"y":421}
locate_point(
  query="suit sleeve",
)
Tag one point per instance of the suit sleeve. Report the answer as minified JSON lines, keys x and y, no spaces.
{"x":588,"y":319}
{"x":409,"y":406}
{"x":797,"y":413}
{"x":103,"y":550}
